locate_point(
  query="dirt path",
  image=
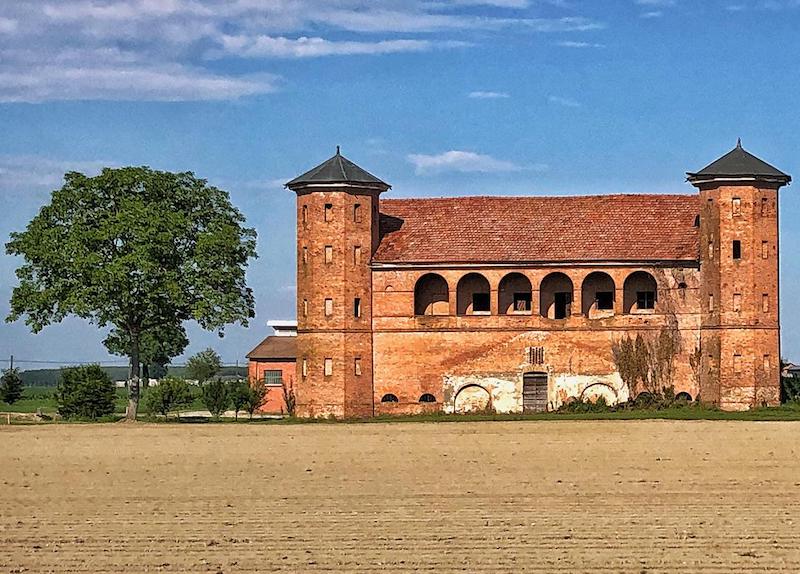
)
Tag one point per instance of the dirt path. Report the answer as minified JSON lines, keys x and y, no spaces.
{"x":532,"y":496}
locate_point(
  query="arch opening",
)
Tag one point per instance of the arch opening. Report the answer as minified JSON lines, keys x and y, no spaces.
{"x":472,"y":295}
{"x":389,"y":398}
{"x":472,"y":399}
{"x":427,"y":398}
{"x":515,"y":295}
{"x":555,"y":296}
{"x":640,"y":293}
{"x":431,"y":295}
{"x":598,"y":295}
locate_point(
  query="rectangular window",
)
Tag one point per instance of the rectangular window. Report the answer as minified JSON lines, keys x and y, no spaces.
{"x":711,"y":250}
{"x":357,"y":366}
{"x":273,"y":377}
{"x":305,"y":307}
{"x":737,"y":363}
{"x":764,"y":206}
{"x":328,"y":367}
{"x":357,"y":213}
{"x":605,"y":300}
{"x":305,"y":255}
{"x":737,"y":301}
{"x":328,"y":307}
{"x":328,"y":212}
{"x":737,"y":249}
{"x":329,"y":254}
{"x":645,"y":300}
{"x":765,"y":362}
{"x":356,"y":254}
{"x":305,"y":214}
{"x":536,"y":355}
{"x":765,"y":303}
{"x":305,"y":368}
{"x":522,"y":301}
{"x":357,"y":307}
{"x":480,"y":302}
{"x":563,"y":305}
{"x":737,"y":206}
{"x":764,"y":249}
{"x":711,"y":302}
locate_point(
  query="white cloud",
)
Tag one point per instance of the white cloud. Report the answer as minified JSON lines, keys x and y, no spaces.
{"x":462,"y":161}
{"x":656,"y":2}
{"x":566,"y":102}
{"x":574,"y":44}
{"x":21,"y":172}
{"x":488,"y":95}
{"x":303,"y":47}
{"x":7,"y":25}
{"x":653,"y":14}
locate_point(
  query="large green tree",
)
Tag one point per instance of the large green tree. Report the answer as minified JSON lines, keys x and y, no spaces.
{"x":135,"y":249}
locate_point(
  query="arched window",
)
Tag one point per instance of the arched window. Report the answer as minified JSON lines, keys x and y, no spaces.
{"x":472,"y":295}
{"x":514,"y":294}
{"x":389,"y":398}
{"x":555,"y":296}
{"x":683,"y":397}
{"x":640,"y":293}
{"x":598,"y":295}
{"x":427,"y":398}
{"x":431,"y":295}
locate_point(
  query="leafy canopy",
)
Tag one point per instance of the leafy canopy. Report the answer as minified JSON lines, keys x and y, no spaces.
{"x":135,"y":248}
{"x":85,"y":392}
{"x":204,"y":365}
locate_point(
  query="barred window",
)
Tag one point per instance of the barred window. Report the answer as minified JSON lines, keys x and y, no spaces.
{"x":536,"y":355}
{"x":273,"y":377}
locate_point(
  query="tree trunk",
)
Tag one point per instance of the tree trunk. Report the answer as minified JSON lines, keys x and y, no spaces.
{"x":145,"y":375}
{"x":133,"y":382}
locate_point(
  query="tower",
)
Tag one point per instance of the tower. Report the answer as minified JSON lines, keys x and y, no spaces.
{"x":740,"y":327}
{"x":337,"y":233}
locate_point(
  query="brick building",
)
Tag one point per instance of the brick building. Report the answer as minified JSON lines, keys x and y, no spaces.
{"x":523,"y":303}
{"x":274,"y":361}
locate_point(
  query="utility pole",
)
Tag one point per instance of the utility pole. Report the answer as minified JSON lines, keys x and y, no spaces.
{"x":12,"y":363}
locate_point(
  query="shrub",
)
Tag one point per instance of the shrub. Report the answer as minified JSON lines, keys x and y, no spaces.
{"x":204,"y":365}
{"x":85,"y":392}
{"x":289,"y":398}
{"x":256,"y":396}
{"x":215,"y":397}
{"x":239,"y":393}
{"x":790,"y":389}
{"x":10,"y":386}
{"x":170,"y":394}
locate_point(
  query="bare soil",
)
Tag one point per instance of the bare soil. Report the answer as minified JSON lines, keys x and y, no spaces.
{"x":564,"y":496}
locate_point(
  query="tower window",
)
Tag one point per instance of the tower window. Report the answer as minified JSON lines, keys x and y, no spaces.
{"x":305,"y":214}
{"x":737,"y":363}
{"x":736,"y":206}
{"x":764,"y":249}
{"x":737,"y":249}
{"x":357,"y":307}
{"x":328,"y":307}
{"x":765,"y":303}
{"x":328,"y":212}
{"x":305,"y":255}
{"x":764,"y":206}
{"x":711,"y":250}
{"x":766,"y":362}
{"x":329,"y":254}
{"x":357,"y":213}
{"x":357,"y":366}
{"x":305,"y":307}
{"x":356,"y":254}
{"x":328,"y":367}
{"x":711,"y":302}
{"x":737,"y":301}
{"x":305,"y":368}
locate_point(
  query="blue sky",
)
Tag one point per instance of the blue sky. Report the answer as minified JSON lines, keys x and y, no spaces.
{"x":534,"y":96}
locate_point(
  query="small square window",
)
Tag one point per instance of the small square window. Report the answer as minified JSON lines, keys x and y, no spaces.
{"x":522,"y":302}
{"x":605,"y":300}
{"x":357,"y":307}
{"x":480,"y":302}
{"x":645,"y":300}
{"x":328,"y":307}
{"x":273,"y":377}
{"x":328,"y":212}
{"x":328,"y":367}
{"x":329,"y":254}
{"x":737,"y":249}
{"x":357,"y":366}
{"x":357,"y":213}
{"x":737,"y":206}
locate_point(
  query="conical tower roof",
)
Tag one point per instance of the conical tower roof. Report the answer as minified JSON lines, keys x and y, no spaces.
{"x":337,"y":170}
{"x":739,"y":163}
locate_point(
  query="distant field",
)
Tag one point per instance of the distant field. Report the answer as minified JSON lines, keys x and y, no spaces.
{"x":548,"y":496}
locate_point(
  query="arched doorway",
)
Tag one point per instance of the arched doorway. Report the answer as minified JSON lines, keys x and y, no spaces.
{"x":534,"y":392}
{"x":472,"y":399}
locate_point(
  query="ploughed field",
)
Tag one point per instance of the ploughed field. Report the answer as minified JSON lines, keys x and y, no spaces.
{"x":548,"y":496}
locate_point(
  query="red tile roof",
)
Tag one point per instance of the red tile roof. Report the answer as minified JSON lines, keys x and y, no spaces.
{"x":531,"y":229}
{"x":274,"y":348}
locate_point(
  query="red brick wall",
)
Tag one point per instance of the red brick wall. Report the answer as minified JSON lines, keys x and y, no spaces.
{"x":275,"y":403}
